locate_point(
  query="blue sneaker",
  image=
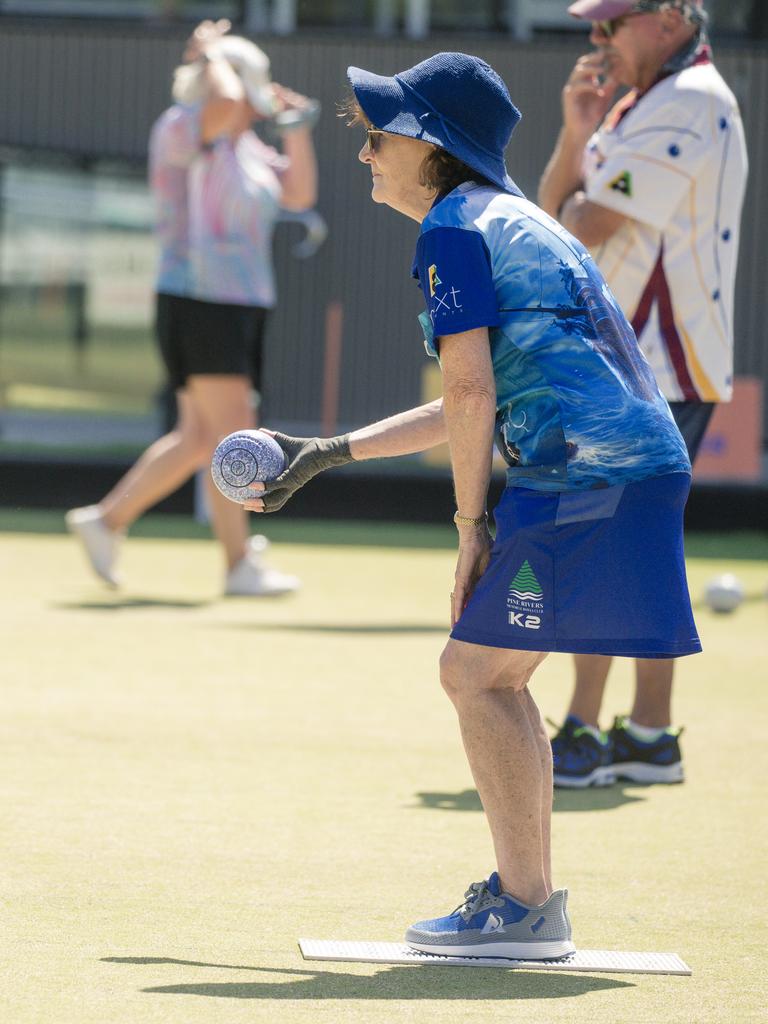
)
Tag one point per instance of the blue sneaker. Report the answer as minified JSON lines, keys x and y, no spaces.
{"x":579,"y":759}
{"x":563,"y":738}
{"x":493,"y":923}
{"x":657,"y":761}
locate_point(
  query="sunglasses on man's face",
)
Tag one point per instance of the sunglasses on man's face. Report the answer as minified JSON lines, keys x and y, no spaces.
{"x":372,"y":139}
{"x":611,"y":27}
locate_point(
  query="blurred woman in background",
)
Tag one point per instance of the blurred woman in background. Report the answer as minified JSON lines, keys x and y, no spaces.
{"x":218,"y":190}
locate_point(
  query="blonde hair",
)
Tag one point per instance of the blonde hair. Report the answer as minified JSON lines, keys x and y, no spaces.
{"x":188,"y":83}
{"x":249,"y":62}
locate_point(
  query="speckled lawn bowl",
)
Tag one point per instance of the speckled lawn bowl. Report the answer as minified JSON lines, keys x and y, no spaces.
{"x":243,"y":458}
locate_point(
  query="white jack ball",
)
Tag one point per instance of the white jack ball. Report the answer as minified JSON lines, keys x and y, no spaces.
{"x":724,"y":593}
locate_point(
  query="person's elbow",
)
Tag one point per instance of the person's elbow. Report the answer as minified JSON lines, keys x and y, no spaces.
{"x":473,"y":395}
{"x":300,"y":199}
{"x":590,"y":223}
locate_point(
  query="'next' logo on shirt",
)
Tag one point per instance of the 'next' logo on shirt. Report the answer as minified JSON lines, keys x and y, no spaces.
{"x":447,"y":302}
{"x":454,"y":271}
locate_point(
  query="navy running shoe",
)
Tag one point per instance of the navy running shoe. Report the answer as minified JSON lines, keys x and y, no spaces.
{"x":657,"y":761}
{"x":579,"y":759}
{"x":492,"y":923}
{"x":564,"y":735}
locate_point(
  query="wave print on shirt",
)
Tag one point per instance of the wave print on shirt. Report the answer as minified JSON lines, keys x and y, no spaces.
{"x":601,"y":420}
{"x":577,"y":406}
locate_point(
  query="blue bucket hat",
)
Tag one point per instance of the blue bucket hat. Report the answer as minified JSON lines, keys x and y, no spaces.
{"x":454,"y":101}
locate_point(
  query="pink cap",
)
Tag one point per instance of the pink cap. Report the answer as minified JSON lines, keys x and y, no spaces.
{"x":604,"y":10}
{"x":600,"y":10}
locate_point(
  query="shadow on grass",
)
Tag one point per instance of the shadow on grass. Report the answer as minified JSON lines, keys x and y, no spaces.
{"x":121,"y":604}
{"x":338,"y":533}
{"x":396,"y":983}
{"x":700,"y":605}
{"x":361,"y":629}
{"x":740,"y":545}
{"x":605,"y":798}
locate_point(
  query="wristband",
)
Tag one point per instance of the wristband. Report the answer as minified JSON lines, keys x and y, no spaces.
{"x":293,"y":118}
{"x":470,"y":520}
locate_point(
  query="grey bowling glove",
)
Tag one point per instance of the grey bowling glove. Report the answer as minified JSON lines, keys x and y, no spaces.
{"x":305,"y":457}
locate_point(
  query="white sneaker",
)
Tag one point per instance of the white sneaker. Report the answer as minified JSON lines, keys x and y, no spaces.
{"x":101,"y":544}
{"x":252,"y":578}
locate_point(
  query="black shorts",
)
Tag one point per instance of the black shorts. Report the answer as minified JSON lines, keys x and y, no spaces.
{"x":198,"y":337}
{"x":692,"y":419}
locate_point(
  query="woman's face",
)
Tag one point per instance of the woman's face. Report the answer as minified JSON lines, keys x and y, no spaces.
{"x":395,"y":162}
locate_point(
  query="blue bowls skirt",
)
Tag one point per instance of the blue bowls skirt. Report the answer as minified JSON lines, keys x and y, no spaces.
{"x":587,"y":572}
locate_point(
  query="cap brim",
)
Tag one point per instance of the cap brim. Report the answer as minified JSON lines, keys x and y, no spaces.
{"x":383,"y":100}
{"x":600,"y":10}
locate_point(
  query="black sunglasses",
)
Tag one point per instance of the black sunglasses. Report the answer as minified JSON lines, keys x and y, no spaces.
{"x":611,"y":27}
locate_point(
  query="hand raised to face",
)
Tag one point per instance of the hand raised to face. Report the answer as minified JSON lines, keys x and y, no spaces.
{"x":588,"y":93}
{"x":206,"y":35}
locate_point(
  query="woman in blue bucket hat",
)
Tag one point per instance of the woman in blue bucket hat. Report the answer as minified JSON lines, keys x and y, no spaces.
{"x":587,"y":555}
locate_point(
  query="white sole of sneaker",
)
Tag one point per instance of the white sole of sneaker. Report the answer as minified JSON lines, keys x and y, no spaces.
{"x":638,"y":771}
{"x":604,"y":776}
{"x":508,"y":950}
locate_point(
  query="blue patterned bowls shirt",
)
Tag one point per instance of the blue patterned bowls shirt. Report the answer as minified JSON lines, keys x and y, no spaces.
{"x":577,"y":406}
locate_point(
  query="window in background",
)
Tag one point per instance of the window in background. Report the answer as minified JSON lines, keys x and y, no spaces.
{"x":187,"y":9}
{"x":77,"y":261}
{"x":336,"y":13}
{"x":392,"y":16}
{"x":481,"y":15}
{"x":731,"y":16}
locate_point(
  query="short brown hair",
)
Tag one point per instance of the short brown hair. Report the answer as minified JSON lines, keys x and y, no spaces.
{"x":440,"y":171}
{"x":443,"y":172}
{"x":351,"y":109}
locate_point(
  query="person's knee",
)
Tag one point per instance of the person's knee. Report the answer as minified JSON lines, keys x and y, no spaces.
{"x":235,"y":414}
{"x":450,"y":672}
{"x":230,"y":423}
{"x":464,"y":673}
{"x":191,"y":444}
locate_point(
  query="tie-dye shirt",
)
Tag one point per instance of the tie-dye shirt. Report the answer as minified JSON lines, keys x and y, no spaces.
{"x":577,"y":406}
{"x":216,"y":210}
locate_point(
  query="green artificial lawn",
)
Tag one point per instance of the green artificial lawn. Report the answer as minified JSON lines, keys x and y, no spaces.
{"x":116,"y":369}
{"x":190,"y":784}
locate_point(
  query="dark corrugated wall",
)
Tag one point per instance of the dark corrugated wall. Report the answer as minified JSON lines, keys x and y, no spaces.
{"x":93,"y":89}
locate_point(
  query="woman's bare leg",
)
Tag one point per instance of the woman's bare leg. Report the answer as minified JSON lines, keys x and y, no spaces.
{"x":224,"y":405}
{"x":163,"y":468}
